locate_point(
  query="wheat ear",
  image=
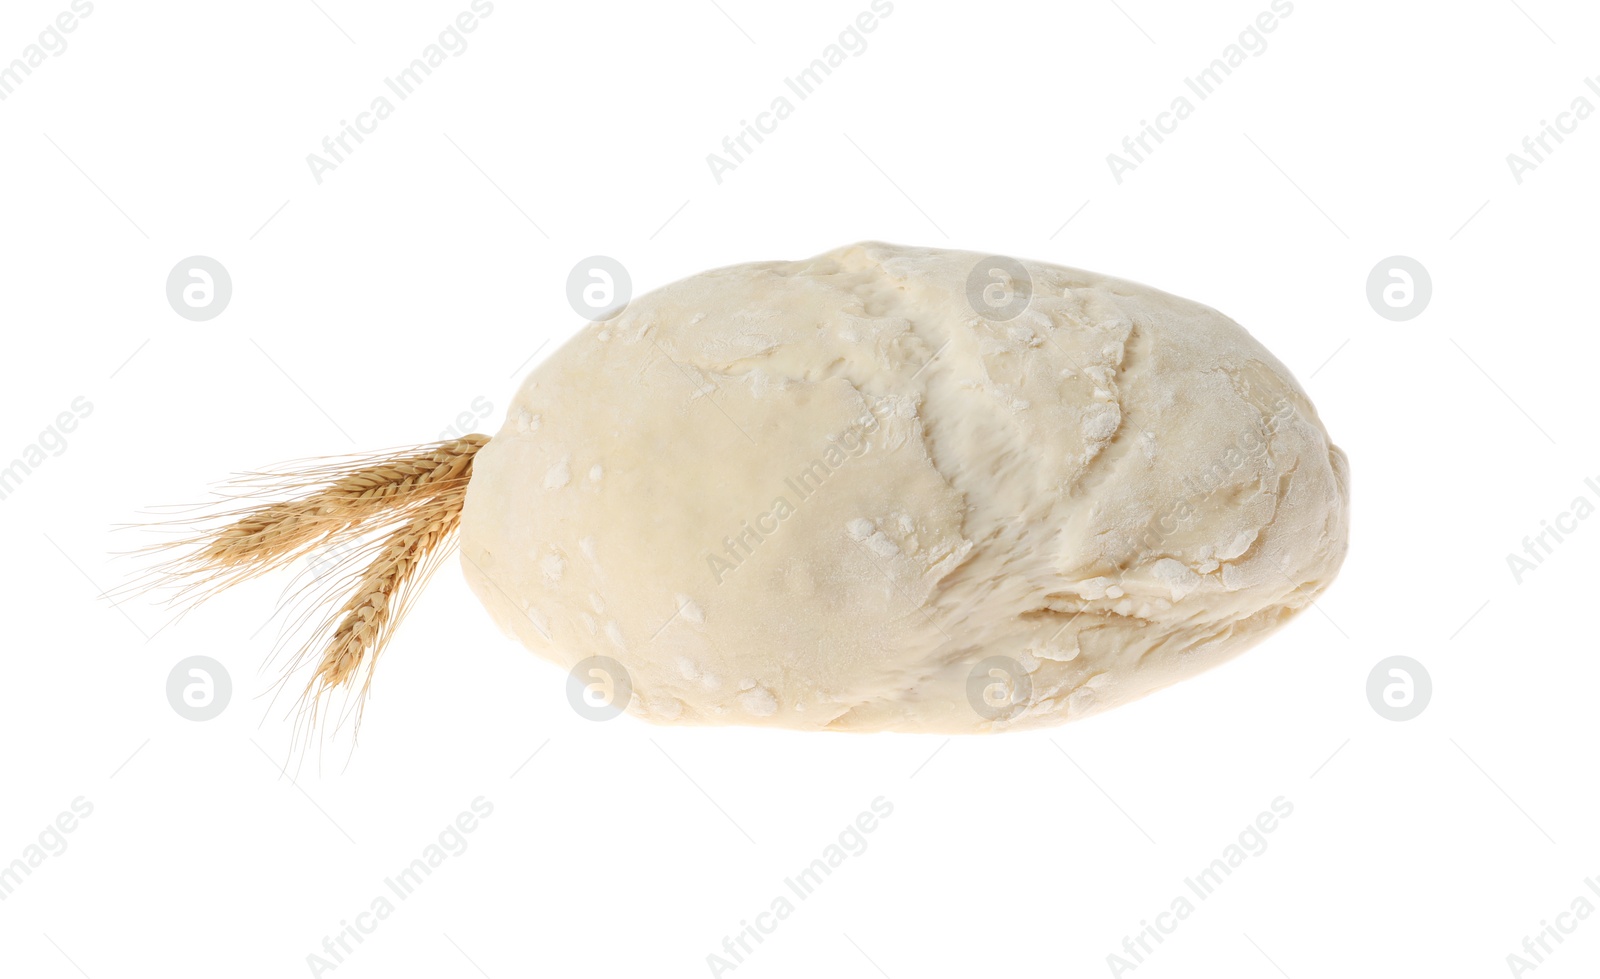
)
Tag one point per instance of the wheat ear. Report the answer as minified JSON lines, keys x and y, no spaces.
{"x":395,"y":514}
{"x":328,"y":503}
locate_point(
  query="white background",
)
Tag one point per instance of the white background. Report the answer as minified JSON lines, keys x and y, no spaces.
{"x":371,"y":309}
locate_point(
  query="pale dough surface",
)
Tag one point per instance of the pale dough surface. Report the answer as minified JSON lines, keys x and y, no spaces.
{"x":818,"y":494}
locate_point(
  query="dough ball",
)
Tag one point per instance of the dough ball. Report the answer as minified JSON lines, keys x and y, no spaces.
{"x":880,"y":490}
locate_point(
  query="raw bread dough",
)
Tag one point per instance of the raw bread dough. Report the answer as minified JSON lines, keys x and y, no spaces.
{"x":829,"y":494}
